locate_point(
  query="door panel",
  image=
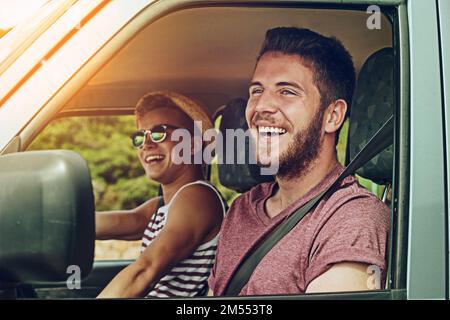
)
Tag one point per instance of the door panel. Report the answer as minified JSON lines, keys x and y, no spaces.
{"x":426,"y":244}
{"x":101,"y":274}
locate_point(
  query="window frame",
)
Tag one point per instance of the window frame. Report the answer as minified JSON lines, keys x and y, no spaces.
{"x":397,"y":11}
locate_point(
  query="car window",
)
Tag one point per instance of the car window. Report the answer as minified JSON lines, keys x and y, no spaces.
{"x":118,"y":179}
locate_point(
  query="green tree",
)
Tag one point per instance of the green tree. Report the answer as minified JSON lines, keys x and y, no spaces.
{"x":118,"y":179}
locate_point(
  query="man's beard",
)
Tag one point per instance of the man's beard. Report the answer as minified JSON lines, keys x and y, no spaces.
{"x":299,"y":158}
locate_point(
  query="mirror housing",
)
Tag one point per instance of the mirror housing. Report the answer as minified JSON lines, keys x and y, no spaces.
{"x":47,"y":216}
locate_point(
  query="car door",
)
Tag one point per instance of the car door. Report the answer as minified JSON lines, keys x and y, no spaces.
{"x":59,"y":86}
{"x":427,"y":224}
{"x":37,"y":87}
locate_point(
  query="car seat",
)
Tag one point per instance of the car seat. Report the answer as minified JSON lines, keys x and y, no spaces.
{"x":242,"y":174}
{"x":373,"y":103}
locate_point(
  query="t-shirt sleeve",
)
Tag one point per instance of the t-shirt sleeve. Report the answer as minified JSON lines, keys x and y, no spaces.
{"x":357,"y":231}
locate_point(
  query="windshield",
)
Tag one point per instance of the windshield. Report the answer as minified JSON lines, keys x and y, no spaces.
{"x":20,"y":37}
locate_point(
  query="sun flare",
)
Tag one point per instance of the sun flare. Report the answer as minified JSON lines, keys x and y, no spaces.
{"x":17,"y":11}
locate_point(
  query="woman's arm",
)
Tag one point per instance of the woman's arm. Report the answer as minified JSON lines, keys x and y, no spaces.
{"x":124,"y":224}
{"x":194,"y":216}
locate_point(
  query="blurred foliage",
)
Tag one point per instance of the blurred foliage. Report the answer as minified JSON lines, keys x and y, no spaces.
{"x":342,"y":143}
{"x":118,"y":179}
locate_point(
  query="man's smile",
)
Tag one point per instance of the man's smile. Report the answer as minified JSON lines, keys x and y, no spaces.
{"x":154,"y":158}
{"x":270,"y":131}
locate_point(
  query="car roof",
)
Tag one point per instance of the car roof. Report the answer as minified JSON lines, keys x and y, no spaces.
{"x":209,"y":53}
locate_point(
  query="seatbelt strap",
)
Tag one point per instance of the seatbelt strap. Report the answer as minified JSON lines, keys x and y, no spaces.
{"x":381,"y":140}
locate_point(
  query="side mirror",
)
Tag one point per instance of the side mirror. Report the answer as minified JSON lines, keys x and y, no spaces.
{"x":47,"y":216}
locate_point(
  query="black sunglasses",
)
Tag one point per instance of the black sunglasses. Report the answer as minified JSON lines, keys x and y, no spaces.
{"x":157,"y":134}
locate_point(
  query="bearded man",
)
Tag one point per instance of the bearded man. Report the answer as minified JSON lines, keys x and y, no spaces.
{"x":299,"y":97}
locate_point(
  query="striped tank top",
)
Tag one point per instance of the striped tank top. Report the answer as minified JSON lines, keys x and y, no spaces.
{"x":189,"y":277}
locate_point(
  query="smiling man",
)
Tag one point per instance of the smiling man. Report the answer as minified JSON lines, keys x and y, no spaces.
{"x":300,"y":94}
{"x":179,"y":230}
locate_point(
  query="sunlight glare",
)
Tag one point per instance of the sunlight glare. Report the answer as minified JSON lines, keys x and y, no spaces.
{"x":13,"y":12}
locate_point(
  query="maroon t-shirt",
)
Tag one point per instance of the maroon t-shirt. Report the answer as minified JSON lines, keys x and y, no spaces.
{"x":348,"y":225}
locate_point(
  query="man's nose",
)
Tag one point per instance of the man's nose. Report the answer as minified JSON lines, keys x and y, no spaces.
{"x":148,"y":143}
{"x":266,"y":103}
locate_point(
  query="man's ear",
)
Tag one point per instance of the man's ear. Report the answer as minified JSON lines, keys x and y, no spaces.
{"x":335,"y":115}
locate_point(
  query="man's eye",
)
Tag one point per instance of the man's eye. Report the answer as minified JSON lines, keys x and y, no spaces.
{"x":256,"y":91}
{"x":287,"y":92}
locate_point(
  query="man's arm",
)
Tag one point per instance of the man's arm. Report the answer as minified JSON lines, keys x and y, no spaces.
{"x":345,"y":276}
{"x":210,"y":293}
{"x":124,"y":224}
{"x":194,"y":218}
{"x":352,"y":242}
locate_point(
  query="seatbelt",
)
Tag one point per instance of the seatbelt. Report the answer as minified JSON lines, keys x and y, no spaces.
{"x":381,"y":140}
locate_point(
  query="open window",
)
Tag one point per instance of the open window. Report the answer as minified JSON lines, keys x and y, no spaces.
{"x":208,"y":53}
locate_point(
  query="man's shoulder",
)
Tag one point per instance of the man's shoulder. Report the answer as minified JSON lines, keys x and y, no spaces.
{"x":198,"y":193}
{"x":255,"y":194}
{"x":195,"y":204}
{"x":245,"y":206}
{"x":356,"y":202}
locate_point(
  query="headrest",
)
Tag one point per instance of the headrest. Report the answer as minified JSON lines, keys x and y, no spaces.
{"x":47,"y":220}
{"x":242,"y":174}
{"x":373,"y":104}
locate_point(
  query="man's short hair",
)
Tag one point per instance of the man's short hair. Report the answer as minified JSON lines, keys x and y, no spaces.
{"x":152,"y":102}
{"x":191,"y":108}
{"x":330,"y":62}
